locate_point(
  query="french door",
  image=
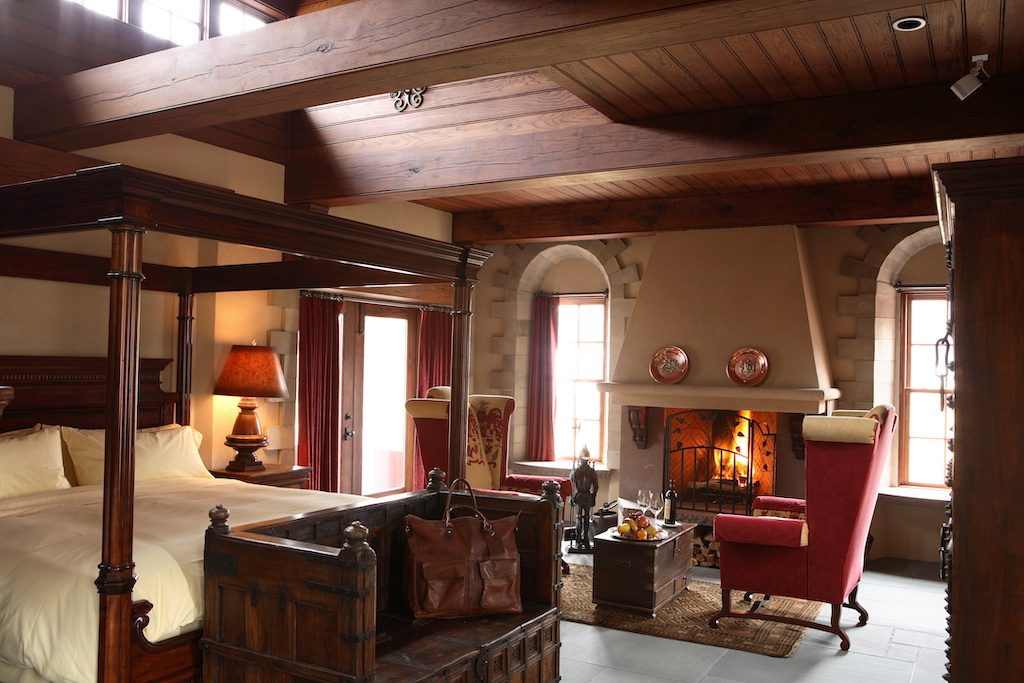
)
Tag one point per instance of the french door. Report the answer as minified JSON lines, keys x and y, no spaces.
{"x":378,"y":374}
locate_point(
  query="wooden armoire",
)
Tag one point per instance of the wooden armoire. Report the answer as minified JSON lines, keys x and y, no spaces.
{"x":981,"y":207}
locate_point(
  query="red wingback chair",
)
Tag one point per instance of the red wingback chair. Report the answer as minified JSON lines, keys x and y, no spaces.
{"x":812,"y":549}
{"x":487,"y":443}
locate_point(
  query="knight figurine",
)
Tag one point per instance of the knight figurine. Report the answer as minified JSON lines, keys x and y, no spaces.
{"x":584,"y":498}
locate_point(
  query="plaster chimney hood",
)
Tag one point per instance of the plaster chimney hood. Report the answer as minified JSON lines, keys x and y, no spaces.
{"x":711,"y":292}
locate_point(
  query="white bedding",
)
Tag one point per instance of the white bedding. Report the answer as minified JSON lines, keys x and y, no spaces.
{"x":50,"y":547}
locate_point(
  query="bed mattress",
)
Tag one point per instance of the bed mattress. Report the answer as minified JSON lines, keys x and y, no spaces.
{"x":50,"y":549}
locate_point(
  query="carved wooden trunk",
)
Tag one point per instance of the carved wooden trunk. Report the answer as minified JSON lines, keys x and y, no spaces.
{"x":318,"y":597}
{"x":641,"y":575}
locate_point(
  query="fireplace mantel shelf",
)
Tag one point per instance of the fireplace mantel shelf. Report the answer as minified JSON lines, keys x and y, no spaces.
{"x":783,"y":400}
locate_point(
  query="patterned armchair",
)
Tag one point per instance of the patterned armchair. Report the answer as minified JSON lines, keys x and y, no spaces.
{"x":487,"y":444}
{"x":812,"y":549}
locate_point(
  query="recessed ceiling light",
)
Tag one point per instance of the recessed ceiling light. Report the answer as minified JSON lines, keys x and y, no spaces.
{"x":910,"y":24}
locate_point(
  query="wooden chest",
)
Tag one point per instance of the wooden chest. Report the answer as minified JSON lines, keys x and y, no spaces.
{"x":641,"y":575}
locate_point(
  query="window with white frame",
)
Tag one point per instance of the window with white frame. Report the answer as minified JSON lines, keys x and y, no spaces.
{"x":232,"y":19}
{"x":179,"y":21}
{"x":186,"y":21}
{"x":580,"y":363}
{"x":111,"y":8}
{"x":924,"y":424}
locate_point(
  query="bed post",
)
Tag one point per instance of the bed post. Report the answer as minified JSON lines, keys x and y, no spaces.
{"x":117,"y":570}
{"x":183,"y":368}
{"x":461,"y":315}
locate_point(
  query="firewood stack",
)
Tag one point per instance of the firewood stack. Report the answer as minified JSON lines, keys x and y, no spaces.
{"x":705,"y":547}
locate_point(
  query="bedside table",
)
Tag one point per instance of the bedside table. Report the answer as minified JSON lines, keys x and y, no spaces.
{"x":283,"y":476}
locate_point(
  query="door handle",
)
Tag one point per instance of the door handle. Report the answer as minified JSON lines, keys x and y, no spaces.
{"x":349,"y":433}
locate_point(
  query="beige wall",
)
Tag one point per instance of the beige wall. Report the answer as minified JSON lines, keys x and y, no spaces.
{"x":825,"y":249}
{"x":198,"y":161}
{"x":927,"y":267}
{"x":573,"y":276}
{"x":715,"y":290}
{"x":414,"y":219}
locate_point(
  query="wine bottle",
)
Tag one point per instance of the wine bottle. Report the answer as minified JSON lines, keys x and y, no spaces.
{"x":670,"y":504}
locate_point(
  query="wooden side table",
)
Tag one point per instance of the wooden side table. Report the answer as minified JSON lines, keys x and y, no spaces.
{"x":283,"y":476}
{"x":642,"y":575}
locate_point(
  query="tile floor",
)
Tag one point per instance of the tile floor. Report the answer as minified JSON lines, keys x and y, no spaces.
{"x":902,"y":643}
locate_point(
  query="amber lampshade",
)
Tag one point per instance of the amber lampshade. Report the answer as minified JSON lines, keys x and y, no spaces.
{"x":249,"y":371}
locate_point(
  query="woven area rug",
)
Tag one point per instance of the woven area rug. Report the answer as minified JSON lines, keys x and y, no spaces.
{"x":686,"y":617}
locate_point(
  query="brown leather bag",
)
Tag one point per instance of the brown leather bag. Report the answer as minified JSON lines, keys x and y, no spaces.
{"x":463,"y":566}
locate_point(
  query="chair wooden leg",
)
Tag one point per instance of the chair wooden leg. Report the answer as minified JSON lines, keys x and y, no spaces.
{"x":852,"y":603}
{"x":726,"y":608}
{"x":833,"y":627}
{"x":844,"y":641}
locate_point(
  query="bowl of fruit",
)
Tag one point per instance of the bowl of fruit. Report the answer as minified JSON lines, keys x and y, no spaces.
{"x":638,"y":527}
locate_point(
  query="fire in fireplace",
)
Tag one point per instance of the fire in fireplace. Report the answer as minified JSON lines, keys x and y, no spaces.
{"x":720,"y":460}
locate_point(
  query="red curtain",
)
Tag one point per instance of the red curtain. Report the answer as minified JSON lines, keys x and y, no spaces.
{"x":540,"y":402}
{"x":433,"y":368}
{"x":319,"y":390}
{"x":434,"y":351}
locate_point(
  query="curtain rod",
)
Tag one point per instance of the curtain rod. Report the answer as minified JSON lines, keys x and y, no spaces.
{"x":923,"y":287}
{"x":331,"y":296}
{"x":601,"y":293}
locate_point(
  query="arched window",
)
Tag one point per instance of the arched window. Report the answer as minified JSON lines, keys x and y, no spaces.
{"x":909,"y":318}
{"x":581,"y":361}
{"x":925,"y":423}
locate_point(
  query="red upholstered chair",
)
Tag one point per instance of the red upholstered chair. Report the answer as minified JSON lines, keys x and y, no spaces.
{"x":811,"y":549}
{"x":487,"y":444}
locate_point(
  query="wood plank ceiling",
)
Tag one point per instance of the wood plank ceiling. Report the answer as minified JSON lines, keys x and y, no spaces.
{"x":856,"y":54}
{"x":809,"y":62}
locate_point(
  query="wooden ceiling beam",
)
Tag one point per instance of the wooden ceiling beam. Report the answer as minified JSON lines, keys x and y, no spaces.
{"x":449,"y":162}
{"x":902,"y":201}
{"x":369,"y":47}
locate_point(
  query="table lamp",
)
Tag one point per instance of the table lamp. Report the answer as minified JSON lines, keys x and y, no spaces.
{"x":249,"y":371}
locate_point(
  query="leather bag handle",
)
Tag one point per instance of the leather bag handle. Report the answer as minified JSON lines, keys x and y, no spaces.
{"x":448,"y":507}
{"x":451,"y":489}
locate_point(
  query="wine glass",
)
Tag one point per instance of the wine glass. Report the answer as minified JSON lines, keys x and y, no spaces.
{"x":643,"y":500}
{"x":657,"y":502}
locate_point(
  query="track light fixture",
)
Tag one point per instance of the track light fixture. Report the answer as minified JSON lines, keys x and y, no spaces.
{"x":973,"y":80}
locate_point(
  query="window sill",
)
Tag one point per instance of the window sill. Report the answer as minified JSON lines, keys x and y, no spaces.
{"x":915,"y":495}
{"x":560,"y":467}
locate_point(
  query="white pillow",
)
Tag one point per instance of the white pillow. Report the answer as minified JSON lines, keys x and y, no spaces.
{"x":161,"y":453}
{"x":197,"y":436}
{"x":31,"y":462}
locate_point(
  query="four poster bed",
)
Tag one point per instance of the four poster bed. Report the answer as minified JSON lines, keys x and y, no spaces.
{"x":121,"y":393}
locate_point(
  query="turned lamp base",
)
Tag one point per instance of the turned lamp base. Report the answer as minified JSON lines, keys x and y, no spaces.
{"x":246,"y":438}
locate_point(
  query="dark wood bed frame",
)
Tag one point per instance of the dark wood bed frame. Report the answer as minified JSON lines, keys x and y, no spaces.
{"x":72,"y":391}
{"x":127,"y":202}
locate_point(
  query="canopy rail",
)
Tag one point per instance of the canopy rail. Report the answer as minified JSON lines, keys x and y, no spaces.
{"x":98,"y":197}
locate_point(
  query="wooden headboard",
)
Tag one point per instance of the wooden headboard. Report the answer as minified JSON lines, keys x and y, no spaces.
{"x":72,"y":391}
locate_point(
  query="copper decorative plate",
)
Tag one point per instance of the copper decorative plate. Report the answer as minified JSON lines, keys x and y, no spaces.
{"x":669,"y":365}
{"x":747,"y":367}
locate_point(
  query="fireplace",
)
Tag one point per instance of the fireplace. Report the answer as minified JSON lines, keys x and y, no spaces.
{"x":720,"y":460}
